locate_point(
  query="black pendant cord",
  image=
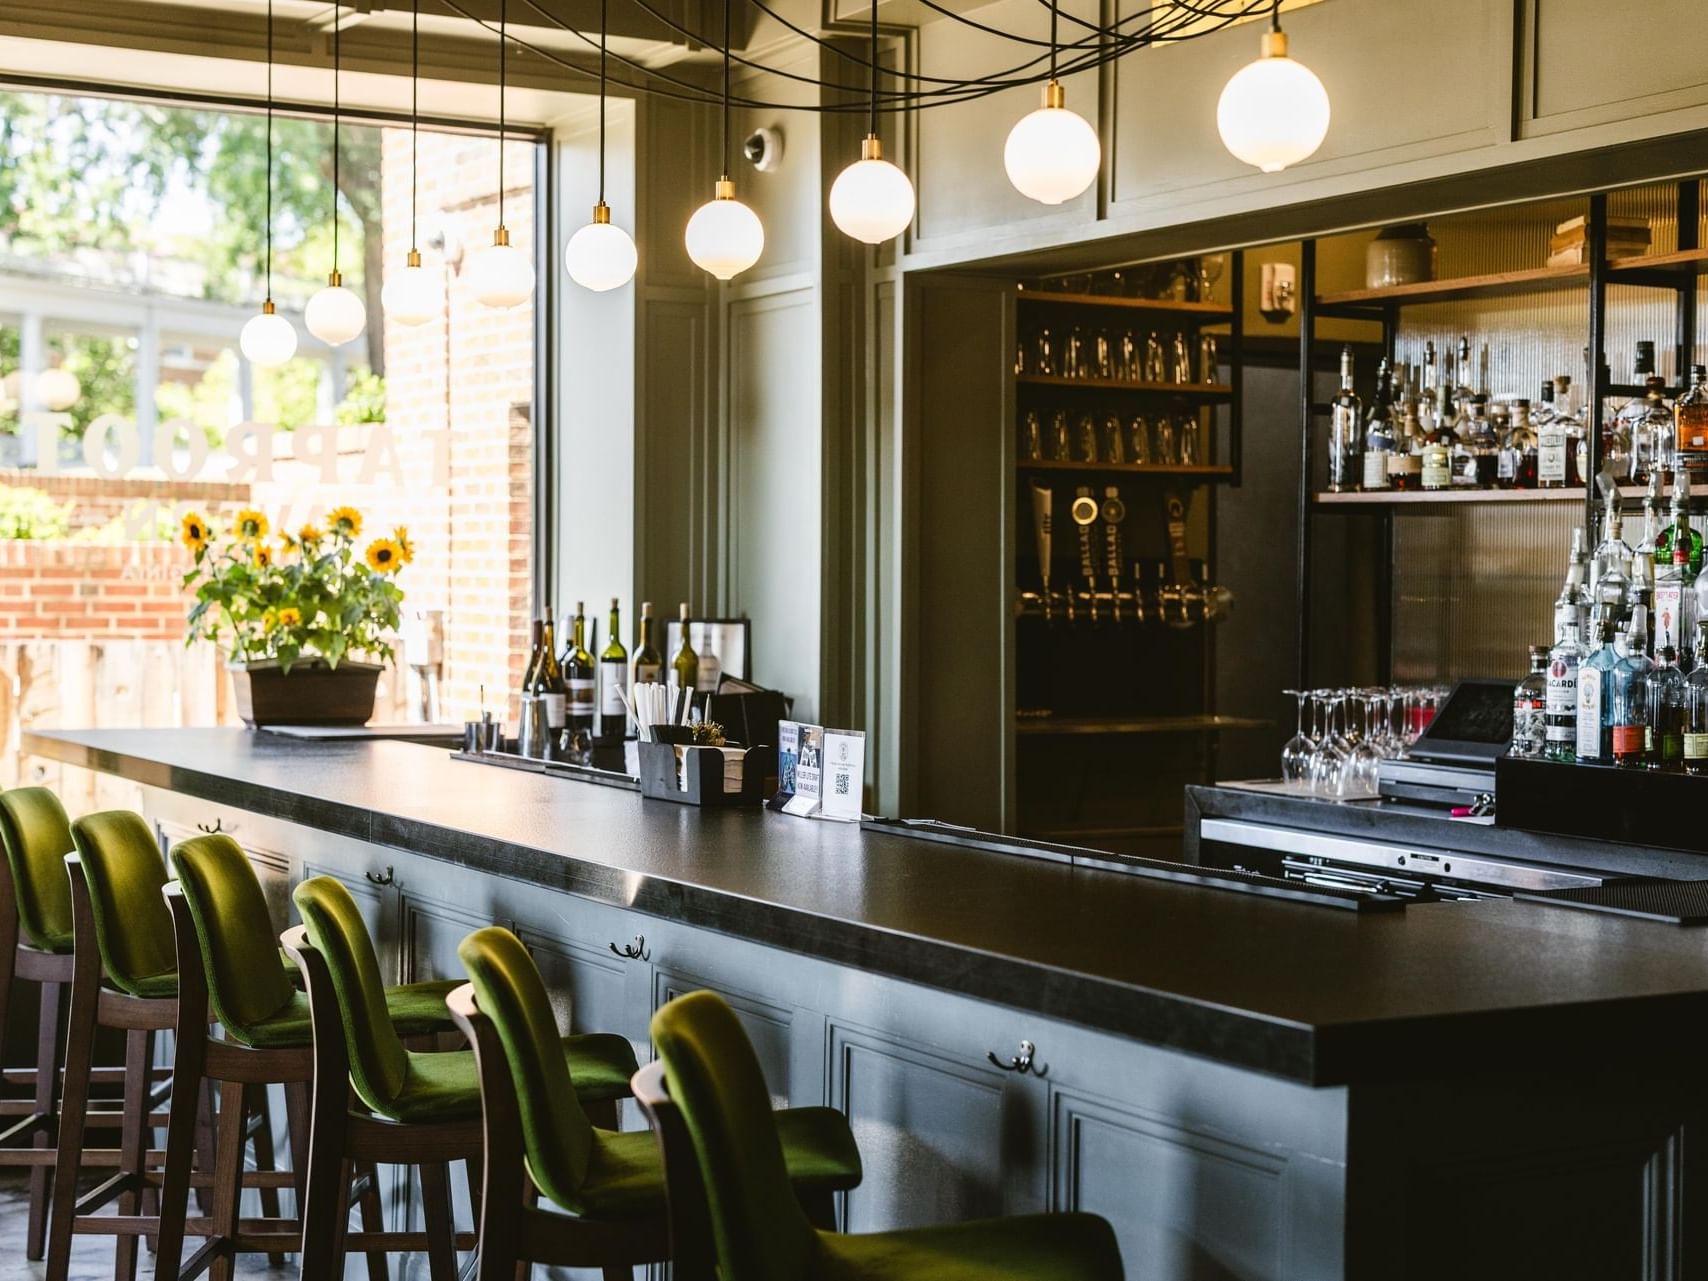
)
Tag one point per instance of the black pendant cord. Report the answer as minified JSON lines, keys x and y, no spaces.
{"x":603,"y":38}
{"x":726,"y":89}
{"x":1275,"y":16}
{"x":873,"y":130}
{"x":414,"y":117}
{"x":503,"y":13}
{"x":337,"y":52}
{"x":267,"y":258}
{"x":1053,"y":7}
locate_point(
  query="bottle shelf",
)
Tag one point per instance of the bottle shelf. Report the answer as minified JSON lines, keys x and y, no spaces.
{"x":1206,"y":472}
{"x":1418,"y":497}
{"x":1056,"y":726}
{"x":1200,"y":310}
{"x":1196,"y":391}
{"x":1669,"y":269}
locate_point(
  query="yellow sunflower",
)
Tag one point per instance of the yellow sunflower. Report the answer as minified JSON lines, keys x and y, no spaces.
{"x":262,"y":556}
{"x":195,"y":531}
{"x":289,"y":617}
{"x":251,"y":525}
{"x":385,"y":556}
{"x":400,"y":535}
{"x":346,"y":521}
{"x":310,"y":533}
{"x":286,"y":543}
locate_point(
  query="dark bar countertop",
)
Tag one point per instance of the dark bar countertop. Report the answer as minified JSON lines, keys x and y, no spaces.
{"x":1313,"y":995}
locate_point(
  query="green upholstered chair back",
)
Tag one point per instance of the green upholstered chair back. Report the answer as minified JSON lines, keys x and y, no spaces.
{"x":37,"y":837}
{"x":125,"y":872}
{"x":378,"y":1061}
{"x":715,"y":1080}
{"x":556,"y":1133}
{"x":247,"y":983}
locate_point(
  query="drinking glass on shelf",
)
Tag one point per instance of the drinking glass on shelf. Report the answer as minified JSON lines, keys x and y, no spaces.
{"x":1154,"y":370}
{"x":1328,"y":761}
{"x":1043,"y":353}
{"x":1139,"y":440}
{"x":1114,"y":447}
{"x":1059,"y":449}
{"x":1209,"y":272}
{"x":1085,"y":439}
{"x":1163,"y":451}
{"x":1078,"y":363}
{"x":1031,"y":437}
{"x":1182,"y":361}
{"x":1296,"y":753}
{"x":1102,"y":361}
{"x":1132,"y":368}
{"x":1364,"y":763}
{"x":1191,"y":440}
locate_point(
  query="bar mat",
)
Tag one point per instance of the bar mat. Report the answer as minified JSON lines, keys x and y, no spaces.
{"x":1670,"y":902}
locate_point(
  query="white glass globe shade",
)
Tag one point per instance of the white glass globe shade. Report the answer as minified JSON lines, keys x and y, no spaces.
{"x":1273,"y":113}
{"x":58,"y":389}
{"x":268,"y":340}
{"x":600,"y":256}
{"x":411,"y":296}
{"x":724,"y":237}
{"x":335,"y":315}
{"x":872,"y":200}
{"x":502,"y":276}
{"x":1052,"y":155}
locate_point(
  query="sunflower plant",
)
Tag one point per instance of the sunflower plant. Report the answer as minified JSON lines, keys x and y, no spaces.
{"x":317,"y":594}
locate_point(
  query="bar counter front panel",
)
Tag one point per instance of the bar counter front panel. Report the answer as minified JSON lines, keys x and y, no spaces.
{"x":1246,"y":1088}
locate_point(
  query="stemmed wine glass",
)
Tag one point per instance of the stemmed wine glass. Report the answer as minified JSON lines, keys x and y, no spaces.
{"x":1209,"y":272}
{"x":1364,"y":763}
{"x":1329,"y":758}
{"x":1296,"y":755}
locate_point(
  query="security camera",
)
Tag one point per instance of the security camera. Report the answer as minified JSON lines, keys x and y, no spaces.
{"x":764,"y":149}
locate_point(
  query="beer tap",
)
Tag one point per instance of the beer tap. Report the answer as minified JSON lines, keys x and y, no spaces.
{"x":1174,"y":592}
{"x":1085,"y":511}
{"x":1043,"y":504}
{"x":1114,"y":512}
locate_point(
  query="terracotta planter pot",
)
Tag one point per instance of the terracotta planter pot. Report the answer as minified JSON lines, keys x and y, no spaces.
{"x":311,"y":693}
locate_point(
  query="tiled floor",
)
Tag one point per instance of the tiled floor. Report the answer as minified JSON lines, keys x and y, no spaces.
{"x":91,"y":1257}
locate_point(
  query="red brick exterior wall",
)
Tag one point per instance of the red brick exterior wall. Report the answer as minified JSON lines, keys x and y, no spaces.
{"x":74,"y":591}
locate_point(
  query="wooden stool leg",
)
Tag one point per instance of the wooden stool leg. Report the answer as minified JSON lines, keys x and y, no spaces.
{"x":228,"y":1174}
{"x":46,"y":1103}
{"x":206,"y":1113}
{"x":441,"y":1230}
{"x":265,"y":1157}
{"x":74,"y":1109}
{"x":191,"y":1112}
{"x":326,"y":1180}
{"x":372,"y":1209}
{"x":133,"y":1142}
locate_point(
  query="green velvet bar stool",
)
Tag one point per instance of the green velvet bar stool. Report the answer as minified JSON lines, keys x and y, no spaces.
{"x":36,"y":947}
{"x":410,"y":1106}
{"x":707,"y":1102}
{"x":538,"y":1136}
{"x":230,"y":970}
{"x":125,"y":977}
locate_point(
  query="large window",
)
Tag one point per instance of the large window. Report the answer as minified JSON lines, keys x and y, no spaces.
{"x":131,"y":254}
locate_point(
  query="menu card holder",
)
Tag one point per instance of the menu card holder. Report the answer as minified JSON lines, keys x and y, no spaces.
{"x":702,"y":780}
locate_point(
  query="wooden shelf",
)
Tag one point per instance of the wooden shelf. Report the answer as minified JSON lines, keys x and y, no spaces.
{"x":1493,"y":284}
{"x":1199,"y":391}
{"x":1130,"y":469}
{"x":1201,"y":310}
{"x":1416,"y":497}
{"x":1682,"y":262}
{"x":1062,"y":725}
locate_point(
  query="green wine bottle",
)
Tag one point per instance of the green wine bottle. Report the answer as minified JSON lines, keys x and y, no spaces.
{"x":685,"y":667}
{"x":649,"y":666}
{"x":578,"y":668}
{"x":613,"y":676}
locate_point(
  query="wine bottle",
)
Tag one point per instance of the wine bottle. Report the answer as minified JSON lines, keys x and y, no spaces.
{"x":711,"y":667}
{"x":685,"y":667}
{"x":648,"y":665}
{"x":547,"y":677}
{"x":579,"y":674}
{"x":613,"y":674}
{"x":533,"y":655}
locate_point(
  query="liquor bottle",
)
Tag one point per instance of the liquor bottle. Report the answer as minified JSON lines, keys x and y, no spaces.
{"x":1610,"y":566}
{"x":1571,"y":419}
{"x":1654,"y":443}
{"x":1516,"y":468}
{"x":1675,"y":603}
{"x":1561,"y":699}
{"x":685,"y":667}
{"x":546,"y":679}
{"x":1435,"y":450}
{"x":1552,"y":448}
{"x":1627,"y":690}
{"x":1379,"y":432}
{"x":1529,"y":708}
{"x":1646,"y":549}
{"x":537,"y":629}
{"x":1640,"y":591}
{"x":1665,"y":693}
{"x":1572,"y":605}
{"x":1429,"y":396}
{"x":613,"y":676}
{"x":1680,"y":529}
{"x":1475,"y":449}
{"x":1623,"y":447}
{"x":710,"y":671}
{"x":1696,"y":706}
{"x":1405,"y":463}
{"x":1343,"y":433}
{"x":1595,"y":698}
{"x":1690,"y":415}
{"x":648,"y":664}
{"x":1462,"y":388}
{"x":579,"y":677}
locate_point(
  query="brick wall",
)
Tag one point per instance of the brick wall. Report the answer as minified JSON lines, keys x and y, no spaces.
{"x":73,"y":591}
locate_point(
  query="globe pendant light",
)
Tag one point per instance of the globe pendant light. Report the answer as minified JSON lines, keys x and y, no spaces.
{"x":411,"y":296}
{"x":501,"y":274}
{"x":872,"y":200}
{"x":1053,"y":154}
{"x":268,"y":339}
{"x":724,"y":236}
{"x":601,"y":255}
{"x":1274,"y":112}
{"x":57,"y":388}
{"x":335,"y":315}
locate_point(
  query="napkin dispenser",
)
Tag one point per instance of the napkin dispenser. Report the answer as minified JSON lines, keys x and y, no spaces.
{"x":692,"y":775}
